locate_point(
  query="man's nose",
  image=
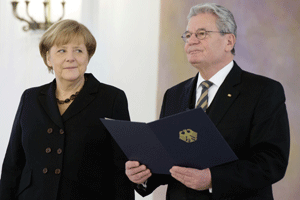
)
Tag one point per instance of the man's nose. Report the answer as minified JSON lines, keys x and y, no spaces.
{"x":193,"y":39}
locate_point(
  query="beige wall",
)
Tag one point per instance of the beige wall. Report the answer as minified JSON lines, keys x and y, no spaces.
{"x":268,"y":43}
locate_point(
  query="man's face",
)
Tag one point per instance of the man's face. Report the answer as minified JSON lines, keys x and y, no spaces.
{"x":209,"y":51}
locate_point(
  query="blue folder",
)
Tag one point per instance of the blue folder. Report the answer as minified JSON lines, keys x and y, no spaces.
{"x":188,"y":139}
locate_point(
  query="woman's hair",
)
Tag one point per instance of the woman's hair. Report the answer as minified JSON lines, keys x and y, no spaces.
{"x":225,"y":22}
{"x":64,"y":32}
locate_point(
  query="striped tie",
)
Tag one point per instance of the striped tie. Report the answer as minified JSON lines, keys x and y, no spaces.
{"x":203,"y":100}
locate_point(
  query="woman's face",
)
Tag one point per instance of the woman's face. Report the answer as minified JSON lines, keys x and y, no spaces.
{"x":69,"y":61}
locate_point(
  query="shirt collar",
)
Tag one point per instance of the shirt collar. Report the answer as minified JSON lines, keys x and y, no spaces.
{"x":219,"y":77}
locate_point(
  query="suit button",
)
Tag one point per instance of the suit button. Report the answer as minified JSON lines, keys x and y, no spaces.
{"x":48,"y":150}
{"x":57,"y":171}
{"x":50,"y":130}
{"x":59,"y":151}
{"x":45,"y":170}
{"x":61,"y":131}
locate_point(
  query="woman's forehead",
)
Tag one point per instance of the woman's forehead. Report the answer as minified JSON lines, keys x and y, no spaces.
{"x":70,"y":38}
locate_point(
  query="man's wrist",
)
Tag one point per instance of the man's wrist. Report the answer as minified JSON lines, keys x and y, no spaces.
{"x":144,"y":184}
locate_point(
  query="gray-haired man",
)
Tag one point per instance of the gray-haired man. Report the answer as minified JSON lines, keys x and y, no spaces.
{"x":248,"y":110}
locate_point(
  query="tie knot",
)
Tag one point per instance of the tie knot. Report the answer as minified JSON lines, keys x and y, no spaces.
{"x":206,"y":84}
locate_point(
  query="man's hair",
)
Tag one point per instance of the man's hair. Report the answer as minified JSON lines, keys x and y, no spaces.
{"x":225,"y":22}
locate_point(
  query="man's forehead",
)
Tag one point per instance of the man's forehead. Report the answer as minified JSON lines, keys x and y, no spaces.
{"x":203,"y":21}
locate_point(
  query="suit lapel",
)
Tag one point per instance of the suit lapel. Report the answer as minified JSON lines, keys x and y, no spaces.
{"x":226,"y":95}
{"x":189,"y":94}
{"x":48,"y":102}
{"x":84,"y":98}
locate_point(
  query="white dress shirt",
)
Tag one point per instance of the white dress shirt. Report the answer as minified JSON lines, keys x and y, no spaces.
{"x":217,"y":81}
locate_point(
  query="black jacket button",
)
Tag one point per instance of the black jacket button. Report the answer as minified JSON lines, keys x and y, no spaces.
{"x":59,"y":151}
{"x":45,"y":170}
{"x":50,"y":130}
{"x":57,"y":171}
{"x":48,"y":150}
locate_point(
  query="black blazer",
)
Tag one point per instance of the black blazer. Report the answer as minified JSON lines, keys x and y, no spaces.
{"x":52,"y":157}
{"x":253,"y":120}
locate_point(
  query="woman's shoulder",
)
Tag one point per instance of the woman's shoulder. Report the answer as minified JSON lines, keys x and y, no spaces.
{"x":103,"y":87}
{"x":110,"y":88}
{"x":37,"y":90}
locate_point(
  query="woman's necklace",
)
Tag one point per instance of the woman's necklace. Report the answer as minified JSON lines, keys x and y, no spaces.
{"x":72,"y":97}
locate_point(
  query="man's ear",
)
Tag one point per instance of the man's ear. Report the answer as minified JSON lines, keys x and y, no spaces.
{"x":230,"y":42}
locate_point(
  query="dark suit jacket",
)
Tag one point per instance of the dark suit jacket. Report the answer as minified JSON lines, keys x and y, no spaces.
{"x":254,"y":122}
{"x":51,"y":157}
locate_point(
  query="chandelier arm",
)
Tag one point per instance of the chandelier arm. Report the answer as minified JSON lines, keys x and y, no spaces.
{"x":33,"y":25}
{"x":26,"y":28}
{"x":27,"y":12}
{"x":45,"y":12}
{"x":15,"y":4}
{"x":63,"y":14}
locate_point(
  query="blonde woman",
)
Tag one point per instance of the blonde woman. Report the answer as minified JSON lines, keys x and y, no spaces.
{"x":58,"y":148}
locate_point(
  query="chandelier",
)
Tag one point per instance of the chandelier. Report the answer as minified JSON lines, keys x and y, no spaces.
{"x":33,"y":24}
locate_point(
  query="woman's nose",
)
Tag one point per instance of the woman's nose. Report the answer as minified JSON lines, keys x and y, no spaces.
{"x":70,"y":57}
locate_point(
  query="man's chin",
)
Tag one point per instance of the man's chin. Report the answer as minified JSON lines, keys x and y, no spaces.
{"x":196,"y":62}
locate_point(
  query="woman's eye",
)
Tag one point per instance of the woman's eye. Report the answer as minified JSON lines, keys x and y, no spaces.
{"x":61,"y":50}
{"x":79,"y":51}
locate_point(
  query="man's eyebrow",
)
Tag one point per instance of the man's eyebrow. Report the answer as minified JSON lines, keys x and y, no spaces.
{"x":199,"y":29}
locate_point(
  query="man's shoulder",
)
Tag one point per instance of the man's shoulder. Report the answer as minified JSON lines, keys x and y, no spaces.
{"x":259,"y":81}
{"x":184,"y":84}
{"x":259,"y":85}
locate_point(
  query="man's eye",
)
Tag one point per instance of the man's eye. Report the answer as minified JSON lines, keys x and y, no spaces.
{"x":188,"y":35}
{"x":201,"y":33}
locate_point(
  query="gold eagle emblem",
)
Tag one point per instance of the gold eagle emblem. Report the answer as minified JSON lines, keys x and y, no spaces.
{"x":188,"y":135}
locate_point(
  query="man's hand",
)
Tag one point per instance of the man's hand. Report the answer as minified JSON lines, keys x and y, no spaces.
{"x":137,"y":173}
{"x":192,"y":178}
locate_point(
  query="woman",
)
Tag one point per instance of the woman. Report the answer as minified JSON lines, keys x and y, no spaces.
{"x":58,"y":148}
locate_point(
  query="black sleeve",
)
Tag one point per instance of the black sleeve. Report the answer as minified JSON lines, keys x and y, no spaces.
{"x":123,"y":187}
{"x":269,"y":144}
{"x":156,"y":179}
{"x":120,"y":108}
{"x":14,"y":159}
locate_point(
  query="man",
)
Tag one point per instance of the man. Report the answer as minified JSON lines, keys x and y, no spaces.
{"x":248,"y":110}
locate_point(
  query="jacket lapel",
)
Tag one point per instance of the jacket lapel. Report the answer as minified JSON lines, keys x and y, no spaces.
{"x":48,"y":102}
{"x":226,"y":95}
{"x":84,"y":98}
{"x":189,"y":94}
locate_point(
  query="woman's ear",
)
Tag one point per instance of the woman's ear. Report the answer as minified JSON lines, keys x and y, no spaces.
{"x":48,"y":59}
